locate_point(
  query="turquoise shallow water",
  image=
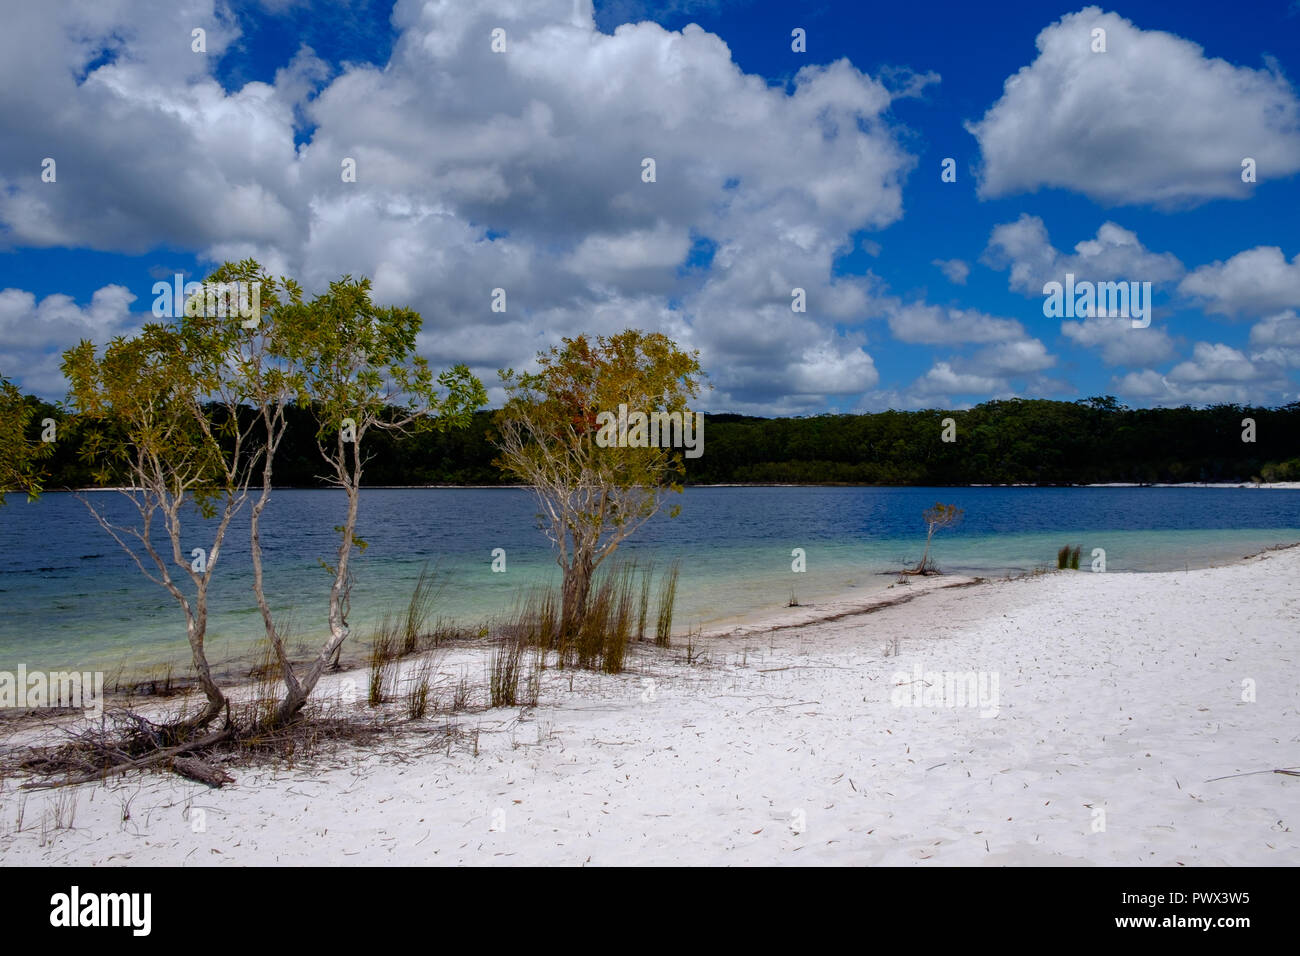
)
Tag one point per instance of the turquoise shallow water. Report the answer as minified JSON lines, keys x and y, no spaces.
{"x":69,"y":598}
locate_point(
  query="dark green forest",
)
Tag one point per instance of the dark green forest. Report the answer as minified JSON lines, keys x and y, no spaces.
{"x":1018,"y":441}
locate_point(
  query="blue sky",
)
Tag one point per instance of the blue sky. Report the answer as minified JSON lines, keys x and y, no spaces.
{"x":776,"y":169}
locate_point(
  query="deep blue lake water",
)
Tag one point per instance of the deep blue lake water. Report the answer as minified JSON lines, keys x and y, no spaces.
{"x":69,"y":597}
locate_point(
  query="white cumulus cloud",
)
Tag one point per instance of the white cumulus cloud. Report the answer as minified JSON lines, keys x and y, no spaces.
{"x":1254,"y":281}
{"x":478,"y":170}
{"x":1152,"y":120}
{"x":1115,"y":254}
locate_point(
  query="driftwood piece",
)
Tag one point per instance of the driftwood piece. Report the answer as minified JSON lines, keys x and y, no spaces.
{"x":145,"y":761}
{"x":195,"y":769}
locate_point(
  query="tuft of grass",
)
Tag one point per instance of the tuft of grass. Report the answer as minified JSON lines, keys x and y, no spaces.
{"x":586,"y":646}
{"x":1074,"y":558}
{"x":667,"y":602}
{"x":612,"y":608}
{"x":505,"y":669}
{"x":416,"y":699}
{"x":461,"y":695}
{"x":65,"y":810}
{"x":534,"y":622}
{"x":617,"y":613}
{"x":266,"y":673}
{"x":415,"y":623}
{"x":539,"y":618}
{"x":1063,"y":558}
{"x":619,"y":631}
{"x":533,"y":685}
{"x":548,"y":614}
{"x":643,"y":606}
{"x":381,"y":660}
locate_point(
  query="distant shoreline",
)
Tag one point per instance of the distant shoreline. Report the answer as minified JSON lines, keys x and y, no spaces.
{"x":1263,"y":485}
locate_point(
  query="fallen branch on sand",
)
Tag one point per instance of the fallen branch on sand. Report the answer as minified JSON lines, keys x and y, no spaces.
{"x":197,"y":770}
{"x":1285,"y":771}
{"x":146,"y":761}
{"x":798,"y":703}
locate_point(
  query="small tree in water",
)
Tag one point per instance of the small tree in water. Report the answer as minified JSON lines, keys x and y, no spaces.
{"x":937,"y":517}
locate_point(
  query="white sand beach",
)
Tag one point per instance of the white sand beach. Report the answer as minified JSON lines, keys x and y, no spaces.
{"x":1120,"y":699}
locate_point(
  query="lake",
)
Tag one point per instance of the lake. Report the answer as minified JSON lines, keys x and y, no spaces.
{"x":70,"y":598}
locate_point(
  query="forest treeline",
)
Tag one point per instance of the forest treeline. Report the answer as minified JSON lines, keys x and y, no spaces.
{"x":1000,"y":442}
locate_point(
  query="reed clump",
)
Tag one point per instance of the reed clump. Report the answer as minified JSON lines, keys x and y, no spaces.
{"x":385,"y":648}
{"x":618,"y":612}
{"x":504,"y":670}
{"x":667,"y":603}
{"x":415,"y":622}
{"x":419,"y":683}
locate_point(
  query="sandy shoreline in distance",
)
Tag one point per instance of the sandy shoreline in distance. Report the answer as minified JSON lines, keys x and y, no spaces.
{"x":1286,"y":485}
{"x":1119,"y":701}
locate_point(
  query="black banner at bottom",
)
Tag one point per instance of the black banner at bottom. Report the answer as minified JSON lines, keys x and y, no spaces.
{"x":339,"y":906}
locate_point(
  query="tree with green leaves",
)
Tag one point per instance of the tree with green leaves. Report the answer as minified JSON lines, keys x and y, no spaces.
{"x":20,"y":457}
{"x":168,"y":394}
{"x":267,"y":380}
{"x":594,"y":495}
{"x":356,"y":365}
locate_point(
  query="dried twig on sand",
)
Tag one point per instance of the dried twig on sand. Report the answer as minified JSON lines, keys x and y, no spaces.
{"x":1285,"y":771}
